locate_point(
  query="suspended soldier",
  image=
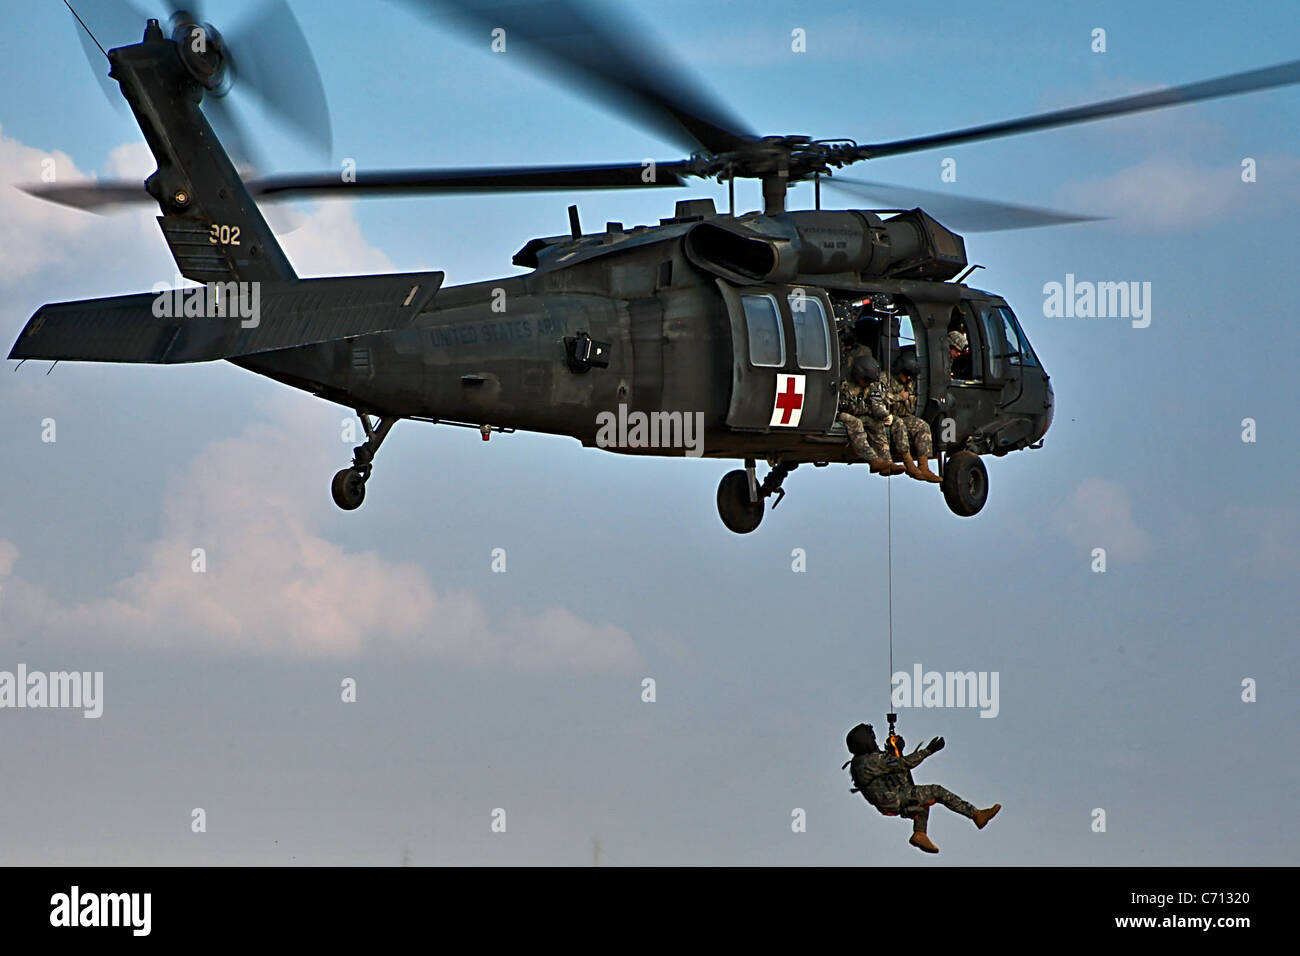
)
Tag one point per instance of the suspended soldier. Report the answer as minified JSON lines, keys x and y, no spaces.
{"x":884,"y":778}
{"x":910,"y":434}
{"x":866,"y":416}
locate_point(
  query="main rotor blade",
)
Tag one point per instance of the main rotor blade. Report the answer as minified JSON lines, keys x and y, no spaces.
{"x":963,"y":213}
{"x":1284,"y":74}
{"x":95,"y":196}
{"x":91,"y":196}
{"x":500,"y":179}
{"x":605,"y":59}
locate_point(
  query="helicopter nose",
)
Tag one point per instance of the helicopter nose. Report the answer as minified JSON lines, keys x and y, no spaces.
{"x":1049,"y":411}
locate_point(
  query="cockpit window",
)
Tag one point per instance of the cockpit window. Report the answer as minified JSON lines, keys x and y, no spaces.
{"x":1020,"y":353}
{"x":1007,"y":345}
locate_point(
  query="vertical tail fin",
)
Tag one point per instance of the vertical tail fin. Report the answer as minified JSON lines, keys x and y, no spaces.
{"x":214,"y":229}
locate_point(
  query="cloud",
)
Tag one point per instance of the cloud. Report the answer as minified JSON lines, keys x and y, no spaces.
{"x":39,"y":237}
{"x":328,"y":241}
{"x":1265,"y":541}
{"x":1162,"y":193}
{"x":273,"y":585}
{"x":1099,"y":514}
{"x":34,"y":234}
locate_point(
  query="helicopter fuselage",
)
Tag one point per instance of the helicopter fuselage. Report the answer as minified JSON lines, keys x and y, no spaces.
{"x":677,"y":348}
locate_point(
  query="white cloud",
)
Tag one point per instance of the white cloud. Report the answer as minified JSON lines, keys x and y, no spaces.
{"x":1099,"y":514}
{"x":130,"y":161}
{"x":1163,"y":193}
{"x":328,"y":241}
{"x":33,"y":233}
{"x":1266,"y":540}
{"x":42,"y":237}
{"x":274,"y":585}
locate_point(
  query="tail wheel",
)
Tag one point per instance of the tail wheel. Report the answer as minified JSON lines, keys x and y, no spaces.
{"x":965,"y":484}
{"x":738,"y":513}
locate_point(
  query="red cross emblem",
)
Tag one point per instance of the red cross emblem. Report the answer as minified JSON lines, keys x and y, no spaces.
{"x":789,"y":401}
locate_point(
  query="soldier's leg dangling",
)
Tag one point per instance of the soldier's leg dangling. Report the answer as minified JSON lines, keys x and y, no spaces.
{"x":919,"y":432}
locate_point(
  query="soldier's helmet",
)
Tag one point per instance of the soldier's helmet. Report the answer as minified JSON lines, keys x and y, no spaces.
{"x":958,"y":341}
{"x":905,"y":364}
{"x":865,"y":369}
{"x":861,"y":740}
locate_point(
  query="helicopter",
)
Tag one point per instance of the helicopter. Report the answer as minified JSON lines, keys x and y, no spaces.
{"x":710,"y":333}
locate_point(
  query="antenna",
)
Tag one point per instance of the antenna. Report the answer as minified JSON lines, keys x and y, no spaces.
{"x":86,"y":28}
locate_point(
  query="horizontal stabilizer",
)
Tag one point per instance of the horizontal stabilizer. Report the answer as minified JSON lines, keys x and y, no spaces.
{"x":224,"y":320}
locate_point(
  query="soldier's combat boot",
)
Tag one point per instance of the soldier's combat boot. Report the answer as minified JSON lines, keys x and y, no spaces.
{"x":909,"y":466}
{"x":923,"y":466}
{"x":982,"y":817}
{"x":922,"y":842}
{"x":880,"y":466}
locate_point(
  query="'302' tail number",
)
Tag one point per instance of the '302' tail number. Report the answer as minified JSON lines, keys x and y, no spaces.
{"x":224,"y":235}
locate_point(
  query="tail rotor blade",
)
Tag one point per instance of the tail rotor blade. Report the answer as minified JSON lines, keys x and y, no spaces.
{"x":224,"y":118}
{"x":108,"y":23}
{"x":193,"y":7}
{"x":273,"y":61}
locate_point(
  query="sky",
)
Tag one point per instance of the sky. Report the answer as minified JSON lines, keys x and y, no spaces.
{"x":478,"y":691}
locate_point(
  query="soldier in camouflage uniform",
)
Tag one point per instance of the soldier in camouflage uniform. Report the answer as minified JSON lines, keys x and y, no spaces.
{"x":865,"y":415}
{"x":884,"y":778}
{"x":909,"y":434}
{"x":959,"y":356}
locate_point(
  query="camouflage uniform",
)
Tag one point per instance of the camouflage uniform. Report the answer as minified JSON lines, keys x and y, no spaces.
{"x":863,"y":410}
{"x":908,"y":431}
{"x":886,"y":782}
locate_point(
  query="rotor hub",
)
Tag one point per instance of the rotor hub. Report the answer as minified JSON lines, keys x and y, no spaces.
{"x":203,"y":52}
{"x":793,"y":158}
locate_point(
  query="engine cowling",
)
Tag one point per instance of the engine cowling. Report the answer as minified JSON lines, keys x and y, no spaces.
{"x":910,"y":245}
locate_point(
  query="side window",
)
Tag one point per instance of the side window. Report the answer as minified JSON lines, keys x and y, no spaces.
{"x":1019,"y":351}
{"x":962,"y":367}
{"x":1006,"y":343}
{"x":995,"y":336}
{"x":906,"y":336}
{"x":763,"y":322}
{"x":812,"y":344}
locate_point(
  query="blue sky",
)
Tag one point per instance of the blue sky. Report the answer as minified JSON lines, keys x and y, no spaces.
{"x":522,"y":690}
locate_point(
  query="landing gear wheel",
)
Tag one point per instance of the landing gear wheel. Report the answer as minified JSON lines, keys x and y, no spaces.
{"x":349,"y":485}
{"x":738,"y":513}
{"x":349,"y":489}
{"x":965,"y":484}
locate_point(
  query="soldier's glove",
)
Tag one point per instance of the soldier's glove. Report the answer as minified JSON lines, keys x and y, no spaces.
{"x":936,"y":745}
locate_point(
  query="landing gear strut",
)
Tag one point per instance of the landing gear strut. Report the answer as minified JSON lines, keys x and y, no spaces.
{"x":349,"y":485}
{"x":741,"y":496}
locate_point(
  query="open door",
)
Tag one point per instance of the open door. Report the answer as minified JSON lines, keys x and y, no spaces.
{"x":785,"y":359}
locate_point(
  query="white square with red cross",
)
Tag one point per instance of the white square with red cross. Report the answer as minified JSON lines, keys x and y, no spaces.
{"x":787,"y":407}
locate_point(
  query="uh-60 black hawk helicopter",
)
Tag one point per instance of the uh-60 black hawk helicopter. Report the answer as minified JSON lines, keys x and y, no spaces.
{"x":737,"y":322}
